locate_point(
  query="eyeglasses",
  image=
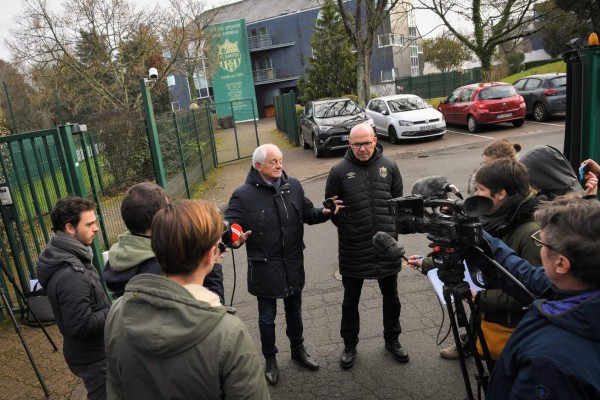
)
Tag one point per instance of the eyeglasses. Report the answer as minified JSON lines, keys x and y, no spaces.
{"x":536,"y":239}
{"x":363,"y":144}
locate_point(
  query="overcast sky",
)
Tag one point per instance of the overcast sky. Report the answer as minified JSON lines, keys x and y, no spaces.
{"x":12,"y":8}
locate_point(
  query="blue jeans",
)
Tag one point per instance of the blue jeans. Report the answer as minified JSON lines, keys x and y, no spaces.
{"x":94,"y":378}
{"x":267,"y":311}
{"x":350,"y":325}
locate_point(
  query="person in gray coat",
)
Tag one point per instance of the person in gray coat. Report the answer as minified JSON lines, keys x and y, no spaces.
{"x":169,"y":337}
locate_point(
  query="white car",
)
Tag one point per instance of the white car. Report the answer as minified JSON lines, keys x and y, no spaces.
{"x":405,"y":116}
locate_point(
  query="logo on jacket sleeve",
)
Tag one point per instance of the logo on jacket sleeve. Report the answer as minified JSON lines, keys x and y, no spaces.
{"x":351,"y":175}
{"x":383,"y":172}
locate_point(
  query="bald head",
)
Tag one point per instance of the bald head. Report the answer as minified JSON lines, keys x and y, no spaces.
{"x":362,"y":141}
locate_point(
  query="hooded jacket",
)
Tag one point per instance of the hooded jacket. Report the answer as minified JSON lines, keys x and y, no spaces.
{"x":550,"y":172}
{"x":276,"y":217}
{"x":77,"y":297}
{"x":132,"y":255}
{"x":554,"y":353}
{"x":163,"y":343}
{"x":366,"y":188}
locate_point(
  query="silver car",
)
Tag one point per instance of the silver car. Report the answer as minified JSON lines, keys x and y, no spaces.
{"x":405,"y":116}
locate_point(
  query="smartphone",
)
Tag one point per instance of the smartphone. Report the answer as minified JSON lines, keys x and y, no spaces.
{"x":583,"y":170}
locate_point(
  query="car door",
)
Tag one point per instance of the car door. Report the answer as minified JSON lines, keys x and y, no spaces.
{"x":460,"y":108}
{"x":531,"y":91}
{"x":447,"y":108}
{"x":305,"y":122}
{"x":373,"y":110}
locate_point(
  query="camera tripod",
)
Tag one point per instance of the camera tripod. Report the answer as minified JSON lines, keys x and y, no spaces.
{"x":455,"y":290}
{"x":8,"y":309}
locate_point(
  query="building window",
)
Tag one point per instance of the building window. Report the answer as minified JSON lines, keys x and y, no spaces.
{"x":412,"y":32}
{"x":166,"y":53}
{"x":388,"y":75}
{"x":420,"y":48}
{"x":390,"y":39}
{"x":175,"y":106}
{"x":171,"y":80}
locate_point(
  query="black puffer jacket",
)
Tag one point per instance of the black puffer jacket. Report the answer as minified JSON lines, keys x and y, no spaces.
{"x":77,"y":297}
{"x":365,"y":188}
{"x":275,"y":247}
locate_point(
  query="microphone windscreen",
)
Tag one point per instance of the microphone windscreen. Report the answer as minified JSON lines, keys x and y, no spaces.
{"x":387,"y":245}
{"x":236,"y":232}
{"x":430,"y":186}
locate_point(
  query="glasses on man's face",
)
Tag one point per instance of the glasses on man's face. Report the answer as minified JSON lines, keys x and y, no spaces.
{"x":536,"y":240}
{"x":366,"y":145}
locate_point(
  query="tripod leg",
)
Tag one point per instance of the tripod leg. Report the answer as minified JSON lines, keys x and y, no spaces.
{"x":20,"y":334}
{"x":461,"y":355}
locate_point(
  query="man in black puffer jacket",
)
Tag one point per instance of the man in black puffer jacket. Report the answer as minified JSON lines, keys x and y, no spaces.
{"x":75,"y":292}
{"x":365,"y":180}
{"x":272,"y":208}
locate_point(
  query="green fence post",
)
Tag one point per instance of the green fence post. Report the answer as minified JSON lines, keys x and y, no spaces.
{"x":213,"y":142}
{"x":181,"y":156}
{"x":159,"y":170}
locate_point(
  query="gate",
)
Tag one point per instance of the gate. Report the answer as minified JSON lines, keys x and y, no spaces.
{"x":234,"y":140}
{"x":286,"y":118}
{"x":37,"y":169}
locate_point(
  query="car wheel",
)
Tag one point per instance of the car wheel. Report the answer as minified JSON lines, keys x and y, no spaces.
{"x":318,"y":152}
{"x":518,"y":122}
{"x":472,"y":124}
{"x":302,"y":141}
{"x":393,"y":135}
{"x":539,"y":112}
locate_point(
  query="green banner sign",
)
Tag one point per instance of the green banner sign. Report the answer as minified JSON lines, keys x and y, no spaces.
{"x":233,"y":84}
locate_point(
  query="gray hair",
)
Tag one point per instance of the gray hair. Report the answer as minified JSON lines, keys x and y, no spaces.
{"x":260,"y":154}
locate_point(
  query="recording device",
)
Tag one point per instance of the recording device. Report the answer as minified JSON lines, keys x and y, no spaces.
{"x":231,"y":234}
{"x":329,"y":204}
{"x":153,"y":73}
{"x":583,"y":170}
{"x":388,"y":245}
{"x":451,"y":225}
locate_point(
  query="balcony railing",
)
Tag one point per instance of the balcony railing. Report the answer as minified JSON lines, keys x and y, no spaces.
{"x":256,"y":42}
{"x":262,"y":75}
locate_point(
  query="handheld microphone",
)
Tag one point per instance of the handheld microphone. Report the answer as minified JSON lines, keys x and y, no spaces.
{"x":236,"y":232}
{"x":387,"y":245}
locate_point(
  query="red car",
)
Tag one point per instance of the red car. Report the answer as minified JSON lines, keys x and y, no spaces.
{"x":483,"y":103}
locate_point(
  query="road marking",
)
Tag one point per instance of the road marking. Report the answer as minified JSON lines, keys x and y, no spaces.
{"x":469,"y":134}
{"x":544,"y":123}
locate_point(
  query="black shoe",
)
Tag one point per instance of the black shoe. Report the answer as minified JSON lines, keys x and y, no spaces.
{"x":299,"y":354}
{"x":395,"y":348}
{"x":271,"y":371}
{"x":348,"y":357}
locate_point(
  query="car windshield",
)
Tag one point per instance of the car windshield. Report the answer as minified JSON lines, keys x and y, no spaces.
{"x":336,"y":109}
{"x":558,"y":82}
{"x":407,"y":104}
{"x":497,"y":92}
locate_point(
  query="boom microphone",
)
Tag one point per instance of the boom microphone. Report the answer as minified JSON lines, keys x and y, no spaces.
{"x":435,"y":186}
{"x":388,"y":246}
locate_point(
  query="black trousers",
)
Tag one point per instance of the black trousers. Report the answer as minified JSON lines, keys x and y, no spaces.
{"x":350,"y":326}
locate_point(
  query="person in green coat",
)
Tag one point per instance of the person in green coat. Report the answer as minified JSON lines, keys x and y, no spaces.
{"x":168,"y":337}
{"x":506,"y":182}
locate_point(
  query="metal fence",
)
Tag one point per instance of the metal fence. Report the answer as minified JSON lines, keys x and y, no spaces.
{"x":286,"y":117}
{"x":437,"y":85}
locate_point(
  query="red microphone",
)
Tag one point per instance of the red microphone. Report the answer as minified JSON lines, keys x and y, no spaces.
{"x":236,"y":232}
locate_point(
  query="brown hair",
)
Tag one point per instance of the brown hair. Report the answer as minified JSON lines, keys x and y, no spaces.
{"x":68,"y":211}
{"x":183,"y":232}
{"x":140,"y":204}
{"x":506,"y":174}
{"x":502,"y":148}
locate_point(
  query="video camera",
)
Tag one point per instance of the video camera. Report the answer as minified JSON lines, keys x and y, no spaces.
{"x":452,"y":226}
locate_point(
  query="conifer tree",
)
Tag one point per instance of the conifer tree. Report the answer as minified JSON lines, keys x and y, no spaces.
{"x":332,"y":67}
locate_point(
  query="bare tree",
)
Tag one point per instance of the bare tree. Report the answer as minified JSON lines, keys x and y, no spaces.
{"x":494,"y":23}
{"x":361,"y":20}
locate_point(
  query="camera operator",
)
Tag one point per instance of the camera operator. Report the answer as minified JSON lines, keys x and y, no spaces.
{"x":554,"y":353}
{"x":506,"y":183}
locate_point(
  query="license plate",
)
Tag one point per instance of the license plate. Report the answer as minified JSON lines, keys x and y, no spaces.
{"x":344,"y":138}
{"x":505,"y":115}
{"x":428,"y":128}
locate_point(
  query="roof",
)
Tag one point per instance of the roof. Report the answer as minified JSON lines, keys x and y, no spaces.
{"x":546,"y":76}
{"x":258,"y":10}
{"x":395,"y":96}
{"x":483,"y":85}
{"x":328,"y":100}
